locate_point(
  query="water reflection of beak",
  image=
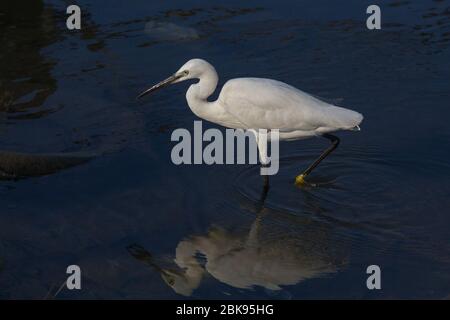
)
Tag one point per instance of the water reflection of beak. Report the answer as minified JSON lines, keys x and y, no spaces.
{"x":143,"y":255}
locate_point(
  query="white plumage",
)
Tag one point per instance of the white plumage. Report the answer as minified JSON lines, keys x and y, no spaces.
{"x":276,"y":105}
{"x":256,"y":103}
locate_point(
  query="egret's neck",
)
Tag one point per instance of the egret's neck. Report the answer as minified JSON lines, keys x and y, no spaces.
{"x":198,"y":93}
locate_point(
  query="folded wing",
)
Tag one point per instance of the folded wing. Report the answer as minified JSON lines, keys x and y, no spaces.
{"x":269,"y":104}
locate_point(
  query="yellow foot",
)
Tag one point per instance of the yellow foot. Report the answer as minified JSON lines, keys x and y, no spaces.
{"x":300,"y":180}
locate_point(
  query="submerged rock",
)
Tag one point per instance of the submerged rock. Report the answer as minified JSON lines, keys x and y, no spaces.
{"x":15,"y":165}
{"x":166,"y":31}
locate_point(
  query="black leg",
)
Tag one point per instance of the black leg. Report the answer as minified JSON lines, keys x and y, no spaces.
{"x":266,"y":182}
{"x":262,"y":199}
{"x":265,"y":189}
{"x":300,"y":179}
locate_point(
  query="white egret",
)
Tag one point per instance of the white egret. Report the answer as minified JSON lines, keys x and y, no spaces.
{"x":256,"y":103}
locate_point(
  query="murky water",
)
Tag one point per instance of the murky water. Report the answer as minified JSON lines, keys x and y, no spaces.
{"x":112,"y":202}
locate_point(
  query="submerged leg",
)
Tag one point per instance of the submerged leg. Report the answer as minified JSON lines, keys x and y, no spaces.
{"x":261,"y":142}
{"x":262,"y":199}
{"x":266,"y":181}
{"x":300,"y":179}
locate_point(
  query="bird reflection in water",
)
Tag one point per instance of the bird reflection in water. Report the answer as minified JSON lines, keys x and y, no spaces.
{"x":269,"y":255}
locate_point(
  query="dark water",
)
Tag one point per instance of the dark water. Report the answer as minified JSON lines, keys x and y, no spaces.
{"x":121,"y":214}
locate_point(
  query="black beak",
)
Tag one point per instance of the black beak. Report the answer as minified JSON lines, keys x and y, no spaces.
{"x":161,"y":84}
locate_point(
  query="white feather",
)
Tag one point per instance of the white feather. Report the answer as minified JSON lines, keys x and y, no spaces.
{"x":256,"y":103}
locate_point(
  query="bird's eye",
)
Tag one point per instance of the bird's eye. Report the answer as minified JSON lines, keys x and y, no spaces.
{"x":185,"y":72}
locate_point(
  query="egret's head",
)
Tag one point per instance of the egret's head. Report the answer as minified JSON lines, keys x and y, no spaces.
{"x":192,"y":69}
